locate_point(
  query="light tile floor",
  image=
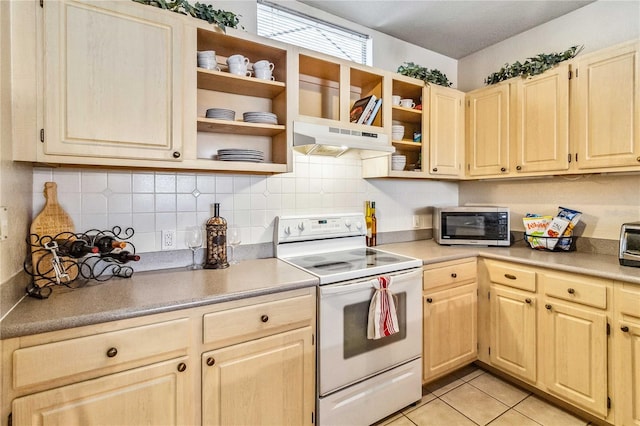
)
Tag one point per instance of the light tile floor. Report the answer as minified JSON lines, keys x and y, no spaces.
{"x":472,"y":396}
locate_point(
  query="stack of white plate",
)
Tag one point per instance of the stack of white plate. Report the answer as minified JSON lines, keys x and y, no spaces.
{"x":260,"y":117}
{"x":221,"y":114}
{"x":397,"y":132}
{"x":250,"y":155}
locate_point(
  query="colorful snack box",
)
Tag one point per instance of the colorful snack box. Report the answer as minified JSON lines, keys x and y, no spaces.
{"x":556,"y":228}
{"x":535,"y":226}
{"x":574,"y":217}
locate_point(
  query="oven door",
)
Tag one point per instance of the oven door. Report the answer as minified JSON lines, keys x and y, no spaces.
{"x":346,"y":355}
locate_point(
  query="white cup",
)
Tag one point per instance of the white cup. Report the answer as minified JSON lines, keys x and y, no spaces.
{"x":238,"y":59}
{"x":263,"y":64}
{"x":239,"y":69}
{"x":407,"y":103}
{"x":395,"y":99}
{"x":207,"y":60}
{"x":263,"y":74}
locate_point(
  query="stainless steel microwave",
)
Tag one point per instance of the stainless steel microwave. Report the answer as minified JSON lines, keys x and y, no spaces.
{"x":630,"y":244}
{"x":477,"y":225}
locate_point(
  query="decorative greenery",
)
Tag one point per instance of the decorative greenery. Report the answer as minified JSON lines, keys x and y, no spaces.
{"x":430,"y":76}
{"x":206,"y":12}
{"x":532,"y":66}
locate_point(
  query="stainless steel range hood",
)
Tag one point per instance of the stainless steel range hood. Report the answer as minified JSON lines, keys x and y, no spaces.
{"x":316,"y":139}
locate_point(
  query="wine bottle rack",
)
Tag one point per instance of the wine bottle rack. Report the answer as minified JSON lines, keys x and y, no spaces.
{"x":56,"y":269}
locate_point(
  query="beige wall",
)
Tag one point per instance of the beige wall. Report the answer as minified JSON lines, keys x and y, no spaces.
{"x":607,"y":201}
{"x":15,"y":179}
{"x":597,"y":25}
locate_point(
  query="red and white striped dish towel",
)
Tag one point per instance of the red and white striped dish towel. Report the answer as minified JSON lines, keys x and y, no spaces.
{"x":383,"y":320}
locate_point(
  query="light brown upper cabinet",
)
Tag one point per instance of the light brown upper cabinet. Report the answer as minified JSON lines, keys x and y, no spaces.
{"x":446,"y":132}
{"x":606,"y":109}
{"x":112,"y":81}
{"x":580,"y":117}
{"x":488,"y":127}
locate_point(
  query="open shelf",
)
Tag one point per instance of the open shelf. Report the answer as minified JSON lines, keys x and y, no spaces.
{"x":407,"y":145}
{"x":238,"y":127}
{"x":221,"y":81}
{"x":409,"y":115}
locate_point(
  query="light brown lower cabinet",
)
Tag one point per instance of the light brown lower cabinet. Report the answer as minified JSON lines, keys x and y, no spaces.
{"x":267,"y":381}
{"x":258,"y":367}
{"x":450,"y":317}
{"x":156,"y":394}
{"x":626,"y":362}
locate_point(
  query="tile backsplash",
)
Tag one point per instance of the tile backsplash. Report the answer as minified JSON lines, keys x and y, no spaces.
{"x":150,"y":202}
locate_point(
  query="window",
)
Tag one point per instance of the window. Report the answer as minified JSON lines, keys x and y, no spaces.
{"x":289,"y":26}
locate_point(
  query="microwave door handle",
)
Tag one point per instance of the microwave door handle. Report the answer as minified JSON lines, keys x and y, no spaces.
{"x":398,"y":280}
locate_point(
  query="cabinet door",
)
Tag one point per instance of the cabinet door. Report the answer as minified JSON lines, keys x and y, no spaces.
{"x":112,"y":80}
{"x":450,"y":330}
{"x":155,"y":394}
{"x":488,"y":131}
{"x":446,"y":131}
{"x":606,"y":108}
{"x":268,"y":381}
{"x":542,"y":122}
{"x":627,"y":368}
{"x":513,"y":332}
{"x":575,"y":354}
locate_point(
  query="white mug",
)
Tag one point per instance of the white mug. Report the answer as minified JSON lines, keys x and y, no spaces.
{"x":395,"y":99}
{"x":239,"y":69}
{"x":263,"y":64}
{"x":237,"y":59}
{"x":207,"y":60}
{"x":407,"y":103}
{"x":263,"y":74}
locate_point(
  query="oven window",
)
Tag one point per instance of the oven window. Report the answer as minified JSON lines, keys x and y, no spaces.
{"x":356,"y":317}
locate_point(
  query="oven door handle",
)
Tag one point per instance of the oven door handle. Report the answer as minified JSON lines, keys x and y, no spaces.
{"x":398,"y":280}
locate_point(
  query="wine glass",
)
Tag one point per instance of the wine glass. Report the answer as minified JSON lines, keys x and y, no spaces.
{"x":193,"y":240}
{"x":233,"y":238}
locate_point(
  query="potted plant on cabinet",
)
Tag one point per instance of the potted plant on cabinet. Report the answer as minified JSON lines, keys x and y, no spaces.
{"x":206,"y":12}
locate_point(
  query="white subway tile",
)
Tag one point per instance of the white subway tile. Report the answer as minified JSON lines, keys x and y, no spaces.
{"x":93,"y":203}
{"x":241,"y":201}
{"x":143,"y":222}
{"x":274,"y":201}
{"x":241,"y":185}
{"x":142,"y":203}
{"x":93,"y":181}
{"x":166,"y":202}
{"x":185,"y":203}
{"x":143,"y":182}
{"x":206,"y":183}
{"x":165,"y":183}
{"x":259,"y":218}
{"x":241,"y":218}
{"x":224,"y":185}
{"x":68,"y":180}
{"x":123,"y":220}
{"x":119,"y":181}
{"x":302,"y":185}
{"x":258,"y":184}
{"x":274,"y":185}
{"x":119,"y":203}
{"x":185,"y":183}
{"x":145,"y":242}
{"x":289,"y":186}
{"x":204,"y":203}
{"x":40,"y":176}
{"x":186,"y":219}
{"x":166,"y":221}
{"x":258,"y":202}
{"x":93,"y":221}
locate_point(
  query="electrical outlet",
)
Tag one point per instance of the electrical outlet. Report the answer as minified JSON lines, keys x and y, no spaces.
{"x":169,"y":239}
{"x":416,"y":221}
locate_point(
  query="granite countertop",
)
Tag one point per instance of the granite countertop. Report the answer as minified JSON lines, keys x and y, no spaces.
{"x":172,"y":289}
{"x":603,"y":266}
{"x":151,"y":293}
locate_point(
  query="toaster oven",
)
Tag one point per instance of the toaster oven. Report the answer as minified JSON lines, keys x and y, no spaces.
{"x":629,"y":254}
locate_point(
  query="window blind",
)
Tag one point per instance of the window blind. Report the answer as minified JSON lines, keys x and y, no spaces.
{"x":286,"y":25}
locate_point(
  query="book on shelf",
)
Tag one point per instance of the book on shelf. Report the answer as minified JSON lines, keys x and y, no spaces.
{"x":361,"y":108}
{"x":374,"y":112}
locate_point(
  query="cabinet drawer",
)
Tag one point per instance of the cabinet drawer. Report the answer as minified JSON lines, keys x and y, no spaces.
{"x":249,"y":322}
{"x":449,"y":273}
{"x":575,"y":288}
{"x":512,"y":275}
{"x":51,"y":361}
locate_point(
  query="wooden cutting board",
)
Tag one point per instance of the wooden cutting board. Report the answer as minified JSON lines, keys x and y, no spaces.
{"x":51,"y":221}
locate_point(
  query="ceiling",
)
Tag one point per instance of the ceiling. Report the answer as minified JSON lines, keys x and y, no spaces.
{"x":450,"y":27}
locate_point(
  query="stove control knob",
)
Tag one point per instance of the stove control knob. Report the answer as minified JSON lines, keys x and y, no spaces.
{"x":287,"y":230}
{"x":359,"y":226}
{"x":347,"y":223}
{"x":301,"y":226}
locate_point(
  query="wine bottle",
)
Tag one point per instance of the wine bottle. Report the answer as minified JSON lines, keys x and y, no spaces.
{"x":123,"y":256}
{"x":107,"y":243}
{"x":216,"y":241}
{"x":367,"y":220}
{"x":374,"y":225}
{"x":74,"y":248}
